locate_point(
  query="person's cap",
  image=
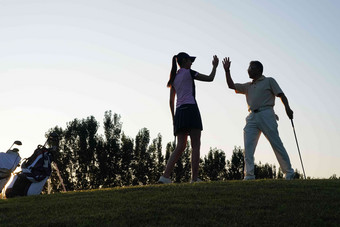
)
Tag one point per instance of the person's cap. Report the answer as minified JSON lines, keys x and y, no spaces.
{"x":183,"y":55}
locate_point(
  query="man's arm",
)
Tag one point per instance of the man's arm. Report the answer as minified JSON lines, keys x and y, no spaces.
{"x":226,"y":65}
{"x":284,"y":100}
{"x":211,"y":77}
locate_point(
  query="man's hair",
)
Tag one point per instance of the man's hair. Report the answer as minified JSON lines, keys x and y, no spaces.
{"x":258,"y":65}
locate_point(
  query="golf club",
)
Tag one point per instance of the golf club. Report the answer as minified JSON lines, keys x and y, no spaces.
{"x":297,"y":144}
{"x":15,"y":150}
{"x":17,"y":142}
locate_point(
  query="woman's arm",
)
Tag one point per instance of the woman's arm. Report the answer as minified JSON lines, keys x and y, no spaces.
{"x":211,"y":77}
{"x":172,"y":102}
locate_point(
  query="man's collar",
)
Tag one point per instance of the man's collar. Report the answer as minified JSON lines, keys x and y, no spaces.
{"x":259,"y":79}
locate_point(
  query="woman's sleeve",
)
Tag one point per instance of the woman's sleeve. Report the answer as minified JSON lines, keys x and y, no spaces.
{"x":193,"y":73}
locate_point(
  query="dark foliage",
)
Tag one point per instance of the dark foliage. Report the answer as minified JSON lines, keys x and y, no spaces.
{"x":88,"y":160}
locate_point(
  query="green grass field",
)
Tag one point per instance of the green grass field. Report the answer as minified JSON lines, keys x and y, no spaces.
{"x":231,"y":203}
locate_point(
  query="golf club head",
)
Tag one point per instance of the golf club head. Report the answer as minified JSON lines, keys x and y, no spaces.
{"x":17,"y":142}
{"x":15,"y":149}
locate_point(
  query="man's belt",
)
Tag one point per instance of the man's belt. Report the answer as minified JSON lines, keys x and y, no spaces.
{"x":261,"y":109}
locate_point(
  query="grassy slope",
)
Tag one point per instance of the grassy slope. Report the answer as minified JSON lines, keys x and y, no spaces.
{"x":261,"y":202}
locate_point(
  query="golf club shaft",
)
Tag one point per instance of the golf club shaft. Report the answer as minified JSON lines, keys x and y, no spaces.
{"x":11,"y":147}
{"x":297,"y":144}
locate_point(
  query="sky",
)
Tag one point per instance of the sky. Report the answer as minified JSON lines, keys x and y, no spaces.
{"x":67,"y":59}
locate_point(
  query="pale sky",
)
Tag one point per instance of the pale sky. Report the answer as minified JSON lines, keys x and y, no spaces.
{"x":61,"y":60}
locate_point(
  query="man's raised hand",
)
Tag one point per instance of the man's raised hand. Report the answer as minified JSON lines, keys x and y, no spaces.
{"x":226,"y":63}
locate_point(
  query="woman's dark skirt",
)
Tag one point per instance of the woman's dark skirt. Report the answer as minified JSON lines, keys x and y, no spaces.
{"x":187,"y":117}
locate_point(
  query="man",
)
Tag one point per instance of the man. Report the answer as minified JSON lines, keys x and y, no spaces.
{"x":260,"y":95}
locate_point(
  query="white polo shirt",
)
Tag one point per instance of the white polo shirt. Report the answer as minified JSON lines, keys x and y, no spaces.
{"x":185,"y":87}
{"x":260,"y":93}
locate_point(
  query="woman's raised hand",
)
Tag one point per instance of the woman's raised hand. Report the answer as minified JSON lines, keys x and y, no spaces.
{"x":215,"y":61}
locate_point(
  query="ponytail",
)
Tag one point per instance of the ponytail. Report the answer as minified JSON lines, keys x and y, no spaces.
{"x":173,"y":71}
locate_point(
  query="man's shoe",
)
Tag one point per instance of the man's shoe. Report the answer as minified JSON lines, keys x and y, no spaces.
{"x":196,"y":181}
{"x":164,"y":180}
{"x":249,"y":178}
{"x":289,"y":176}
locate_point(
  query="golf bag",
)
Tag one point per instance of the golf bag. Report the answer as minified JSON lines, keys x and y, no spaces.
{"x":9,"y":161}
{"x":35,"y":172}
{"x":5,"y":174}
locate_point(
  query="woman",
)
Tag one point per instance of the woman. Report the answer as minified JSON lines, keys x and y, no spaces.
{"x":187,"y":120}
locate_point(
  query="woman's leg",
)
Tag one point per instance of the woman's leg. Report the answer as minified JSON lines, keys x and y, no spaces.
{"x":176,"y":154}
{"x":195,"y":136}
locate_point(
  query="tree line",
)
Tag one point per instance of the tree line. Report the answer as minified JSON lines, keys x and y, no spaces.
{"x":88,"y":160}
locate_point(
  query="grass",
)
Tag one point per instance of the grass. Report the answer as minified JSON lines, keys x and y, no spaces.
{"x":231,"y":203}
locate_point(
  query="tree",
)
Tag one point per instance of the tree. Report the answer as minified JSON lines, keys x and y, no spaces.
{"x":214,"y":165}
{"x":298,"y":175}
{"x":141,"y":171}
{"x":60,"y":162}
{"x":156,"y":160}
{"x":76,"y":156}
{"x":182,"y":168}
{"x":186,"y":160}
{"x":111,"y":156}
{"x":151,"y":162}
{"x":279,"y":173}
{"x":333,"y":177}
{"x":265,"y":171}
{"x":87,"y":160}
{"x":83,"y":138}
{"x":170,"y":147}
{"x":160,"y":158}
{"x":127,"y":158}
{"x":236,"y":165}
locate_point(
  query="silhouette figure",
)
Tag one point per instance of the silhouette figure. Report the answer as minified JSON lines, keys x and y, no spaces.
{"x":260,"y":94}
{"x":187,"y":119}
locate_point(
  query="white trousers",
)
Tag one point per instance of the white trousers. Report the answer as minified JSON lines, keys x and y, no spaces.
{"x":265,"y":122}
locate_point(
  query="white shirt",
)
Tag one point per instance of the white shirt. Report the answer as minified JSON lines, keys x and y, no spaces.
{"x":260,"y":93}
